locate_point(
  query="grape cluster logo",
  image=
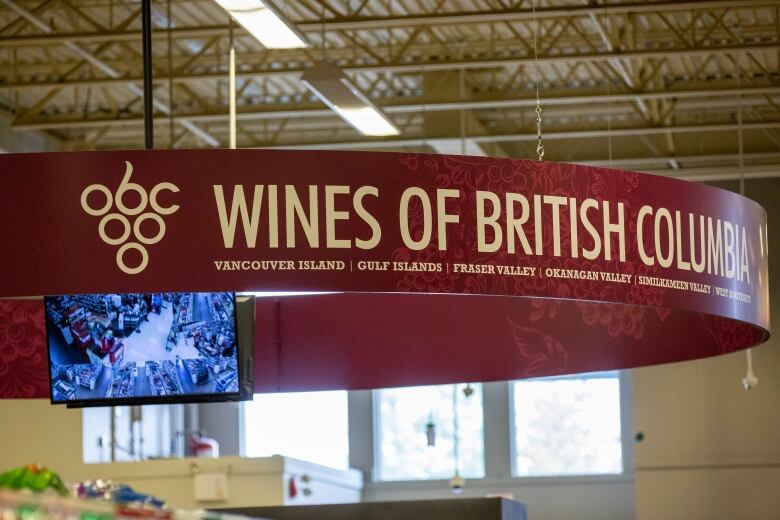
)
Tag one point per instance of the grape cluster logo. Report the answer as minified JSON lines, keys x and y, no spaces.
{"x":125,"y":214}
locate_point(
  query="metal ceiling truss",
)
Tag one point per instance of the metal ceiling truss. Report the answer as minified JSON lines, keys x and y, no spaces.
{"x":663,"y":78}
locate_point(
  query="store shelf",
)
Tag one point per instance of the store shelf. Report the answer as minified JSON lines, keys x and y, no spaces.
{"x":221,"y":306}
{"x":123,"y":382}
{"x":163,"y":378}
{"x":95,"y":303}
{"x":226,"y":382}
{"x":76,"y":314}
{"x":54,"y":313}
{"x":63,"y":391}
{"x":452,"y":509}
{"x":184,"y":315}
{"x":87,"y":375}
{"x":198,"y":370}
{"x":27,"y":506}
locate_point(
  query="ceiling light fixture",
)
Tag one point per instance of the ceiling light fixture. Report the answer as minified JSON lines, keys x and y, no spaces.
{"x":265,"y":23}
{"x":333,"y":87}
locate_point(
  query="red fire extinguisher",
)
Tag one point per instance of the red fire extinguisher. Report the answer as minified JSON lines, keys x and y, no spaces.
{"x":204,"y":447}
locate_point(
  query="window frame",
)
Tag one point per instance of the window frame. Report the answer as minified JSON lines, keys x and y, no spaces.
{"x":113,"y":452}
{"x":376,"y":446}
{"x":626,"y":426}
{"x":499,"y":439}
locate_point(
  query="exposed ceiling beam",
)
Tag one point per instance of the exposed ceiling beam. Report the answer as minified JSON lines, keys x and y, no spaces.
{"x":618,"y":64}
{"x":430,"y":66}
{"x":413,"y":20}
{"x":510,"y":15}
{"x":525,"y":137}
{"x":74,"y":47}
{"x":203,"y":32}
{"x":410,"y":106}
{"x":722,"y":173}
{"x":645,"y":163}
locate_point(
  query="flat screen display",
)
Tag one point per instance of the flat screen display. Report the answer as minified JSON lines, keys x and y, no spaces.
{"x":142,"y":347}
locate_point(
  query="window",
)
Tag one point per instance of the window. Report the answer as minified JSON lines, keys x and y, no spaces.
{"x":402,"y":416}
{"x":567,"y":426}
{"x":311,"y":426}
{"x":127,"y":433}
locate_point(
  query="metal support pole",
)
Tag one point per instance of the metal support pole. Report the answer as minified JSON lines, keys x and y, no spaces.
{"x":171,"y":137}
{"x":232,"y":87}
{"x":232,"y":98}
{"x":146,"y":28}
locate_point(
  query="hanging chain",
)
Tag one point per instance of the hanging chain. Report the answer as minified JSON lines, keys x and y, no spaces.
{"x":171,"y":127}
{"x":322,"y":32}
{"x":539,"y":145}
{"x":740,"y":141}
{"x":609,"y":108}
{"x":424,"y":108}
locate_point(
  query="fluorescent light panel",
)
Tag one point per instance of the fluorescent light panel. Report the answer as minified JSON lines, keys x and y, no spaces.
{"x":263,"y":22}
{"x":332,"y":87}
{"x":367,"y":120}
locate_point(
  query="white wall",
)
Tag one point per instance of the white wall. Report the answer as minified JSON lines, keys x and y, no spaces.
{"x":33,"y":431}
{"x":712,"y":449}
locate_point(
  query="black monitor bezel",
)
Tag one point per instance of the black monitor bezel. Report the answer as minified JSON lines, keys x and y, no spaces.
{"x":244,"y":367}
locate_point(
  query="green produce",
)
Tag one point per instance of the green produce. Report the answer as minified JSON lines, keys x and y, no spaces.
{"x":33,"y":477}
{"x":12,"y":479}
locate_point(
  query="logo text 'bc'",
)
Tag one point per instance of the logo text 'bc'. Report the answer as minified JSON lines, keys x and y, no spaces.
{"x":137,"y":213}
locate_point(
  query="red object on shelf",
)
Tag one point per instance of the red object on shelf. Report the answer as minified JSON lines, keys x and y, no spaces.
{"x":204,"y":447}
{"x":292,"y":488}
{"x":81,"y":334}
{"x":116,"y":353}
{"x":110,"y":347}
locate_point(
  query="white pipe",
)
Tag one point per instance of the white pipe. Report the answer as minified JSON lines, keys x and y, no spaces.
{"x":232,"y":98}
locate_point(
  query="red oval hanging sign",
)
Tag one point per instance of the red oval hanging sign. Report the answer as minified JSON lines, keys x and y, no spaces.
{"x":612,"y":268}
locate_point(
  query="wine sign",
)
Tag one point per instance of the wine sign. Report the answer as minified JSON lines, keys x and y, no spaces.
{"x":565,"y":258}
